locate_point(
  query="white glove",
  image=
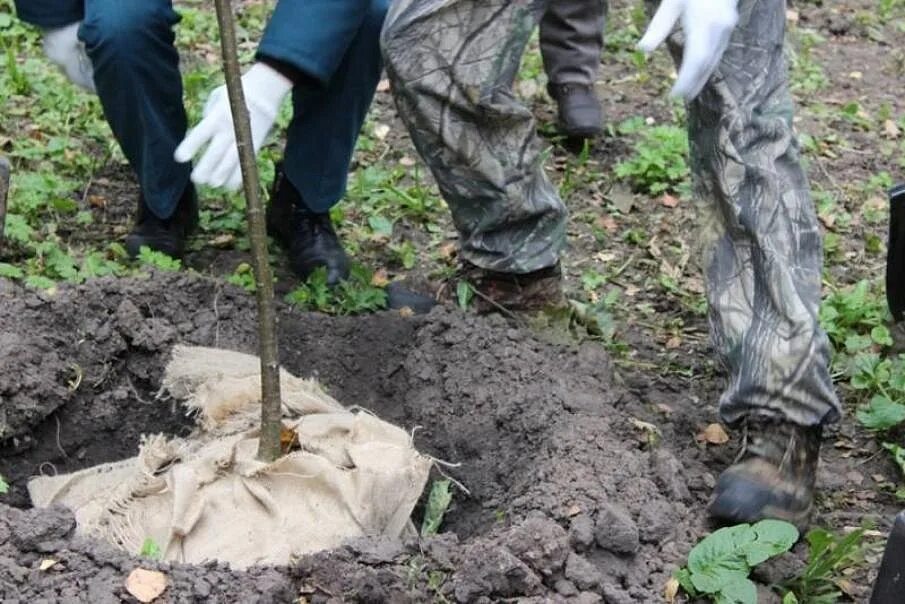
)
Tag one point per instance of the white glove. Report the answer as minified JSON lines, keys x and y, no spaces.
{"x":265,"y":88}
{"x":707,"y":24}
{"x":63,"y":47}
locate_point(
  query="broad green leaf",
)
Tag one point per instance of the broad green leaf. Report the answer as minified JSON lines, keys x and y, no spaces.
{"x":897,"y":380}
{"x":789,"y":598}
{"x":10,"y":271}
{"x":856,"y":343}
{"x":881,"y":413}
{"x":381,"y":225}
{"x":683,"y":576}
{"x":880,"y":334}
{"x":898,"y":454}
{"x":64,"y":204}
{"x":720,"y":558}
{"x":773,"y":537}
{"x":4,"y":487}
{"x":464,"y":294}
{"x":158,"y":259}
{"x":742,"y":591}
{"x":39,"y":282}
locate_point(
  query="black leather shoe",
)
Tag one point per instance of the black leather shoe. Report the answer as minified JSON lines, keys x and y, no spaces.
{"x":580,"y":115}
{"x":169,"y":235}
{"x":309,"y":237}
{"x":774,"y":478}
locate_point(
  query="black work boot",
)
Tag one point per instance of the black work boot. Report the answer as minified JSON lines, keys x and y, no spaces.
{"x":774,"y":477}
{"x":580,"y":115}
{"x":309,"y":237}
{"x":495,"y":291}
{"x":164,"y":235}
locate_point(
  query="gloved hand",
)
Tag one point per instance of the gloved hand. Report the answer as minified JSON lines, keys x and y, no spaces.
{"x":707,"y":24}
{"x":265,"y":88}
{"x":63,"y":47}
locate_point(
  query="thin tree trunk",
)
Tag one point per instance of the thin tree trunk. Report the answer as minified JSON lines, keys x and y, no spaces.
{"x":269,"y":445}
{"x":4,"y":191}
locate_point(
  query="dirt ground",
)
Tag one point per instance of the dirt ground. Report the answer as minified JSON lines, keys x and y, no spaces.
{"x":571,"y":498}
{"x":586,"y":480}
{"x":564,"y":498}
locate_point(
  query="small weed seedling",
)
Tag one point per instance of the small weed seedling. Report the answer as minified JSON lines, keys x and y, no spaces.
{"x":243,"y":277}
{"x":357,"y":294}
{"x":159,"y":260}
{"x":718,"y":566}
{"x":828,"y":555}
{"x":437,"y":503}
{"x":658,"y":162}
{"x":4,"y":488}
{"x":464,"y":294}
{"x":150,"y":549}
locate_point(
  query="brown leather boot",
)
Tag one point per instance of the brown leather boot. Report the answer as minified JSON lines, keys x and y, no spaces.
{"x":774,"y":477}
{"x":494,"y":291}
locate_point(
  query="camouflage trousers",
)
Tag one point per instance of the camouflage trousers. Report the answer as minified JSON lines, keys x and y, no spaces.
{"x":452,"y":64}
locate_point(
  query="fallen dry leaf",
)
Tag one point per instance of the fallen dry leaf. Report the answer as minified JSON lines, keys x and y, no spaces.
{"x":713,"y":434}
{"x":607,"y":223}
{"x":671,"y":590}
{"x":381,"y":131}
{"x":856,"y":478}
{"x":383,"y":85}
{"x":289,"y":440}
{"x":891,"y":130}
{"x":673,"y":342}
{"x":223,"y":240}
{"x":380,"y":278}
{"x":670,"y":201}
{"x":792,"y":15}
{"x":573,"y":510}
{"x":47,"y":564}
{"x":448,"y":250}
{"x":848,"y":588}
{"x":406,"y":161}
{"x":406,"y":312}
{"x":622,"y":199}
{"x":146,"y":585}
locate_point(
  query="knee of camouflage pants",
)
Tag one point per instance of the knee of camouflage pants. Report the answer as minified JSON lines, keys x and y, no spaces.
{"x":451,"y":64}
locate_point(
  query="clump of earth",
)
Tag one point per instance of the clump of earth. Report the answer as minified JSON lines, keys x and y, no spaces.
{"x":565,"y":502}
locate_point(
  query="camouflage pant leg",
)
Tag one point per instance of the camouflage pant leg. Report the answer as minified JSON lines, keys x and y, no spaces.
{"x":452,"y":64}
{"x":762,"y":251}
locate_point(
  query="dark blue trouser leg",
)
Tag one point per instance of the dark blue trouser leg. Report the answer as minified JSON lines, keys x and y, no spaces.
{"x":136,"y":71}
{"x":326,"y":123}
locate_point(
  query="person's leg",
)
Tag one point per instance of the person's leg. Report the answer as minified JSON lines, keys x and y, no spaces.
{"x":325,"y":124}
{"x":50,"y":14}
{"x":136,"y":71}
{"x":762,"y":257}
{"x":571,"y":41}
{"x":452,"y":64}
{"x":319,"y":148}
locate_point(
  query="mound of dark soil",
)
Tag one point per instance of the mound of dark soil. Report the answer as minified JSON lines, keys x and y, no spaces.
{"x":566,"y":503}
